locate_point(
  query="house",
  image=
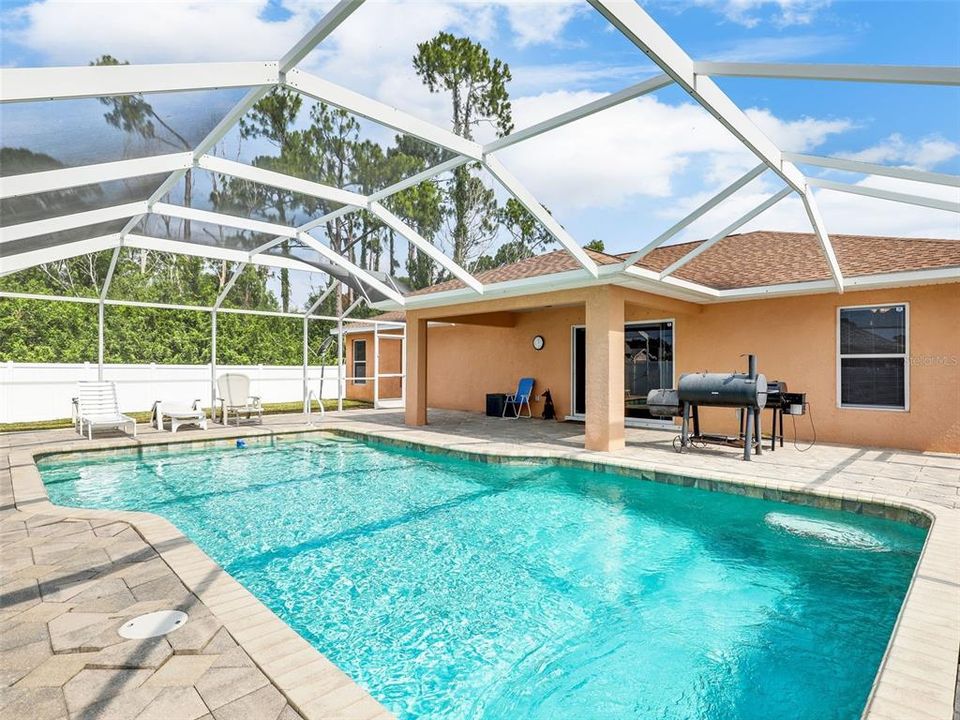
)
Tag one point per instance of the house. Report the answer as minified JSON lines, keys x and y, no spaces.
{"x":878,"y":362}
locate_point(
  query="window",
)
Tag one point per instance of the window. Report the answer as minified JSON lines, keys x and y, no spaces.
{"x":873,"y":365}
{"x":360,"y":362}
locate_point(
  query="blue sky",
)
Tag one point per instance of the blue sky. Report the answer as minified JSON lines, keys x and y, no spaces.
{"x":622,"y":176}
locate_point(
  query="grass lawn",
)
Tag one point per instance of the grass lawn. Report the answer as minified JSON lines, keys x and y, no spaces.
{"x":144,"y":417}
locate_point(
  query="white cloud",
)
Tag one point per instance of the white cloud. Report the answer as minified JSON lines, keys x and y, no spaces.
{"x":925,"y":153}
{"x":537,"y":23}
{"x":641,"y":148}
{"x":797,"y":135}
{"x":779,"y":48}
{"x":749,"y":13}
{"x":72,"y":33}
{"x":585,"y":75}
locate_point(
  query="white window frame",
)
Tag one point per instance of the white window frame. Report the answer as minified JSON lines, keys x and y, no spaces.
{"x":358,"y":379}
{"x":905,"y":356}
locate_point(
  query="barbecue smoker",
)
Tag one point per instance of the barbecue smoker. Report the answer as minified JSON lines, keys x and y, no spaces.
{"x":780,"y":403}
{"x":744,"y":391}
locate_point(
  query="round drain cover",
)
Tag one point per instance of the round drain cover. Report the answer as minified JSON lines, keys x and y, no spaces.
{"x":153,"y":624}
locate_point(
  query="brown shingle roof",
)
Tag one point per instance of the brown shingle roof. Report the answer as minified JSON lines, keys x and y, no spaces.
{"x":770,"y":258}
{"x":392,"y":316}
{"x":754,"y":259}
{"x":546,"y":264}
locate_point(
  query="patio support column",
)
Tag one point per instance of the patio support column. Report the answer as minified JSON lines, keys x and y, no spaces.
{"x":100,"y":341}
{"x":103,"y":297}
{"x":341,"y":371}
{"x":416,"y":367}
{"x":376,"y":365}
{"x":604,"y":372}
{"x":306,"y":360}
{"x":213,"y":366}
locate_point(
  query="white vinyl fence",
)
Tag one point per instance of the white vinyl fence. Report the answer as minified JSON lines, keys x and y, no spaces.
{"x":42,"y":391}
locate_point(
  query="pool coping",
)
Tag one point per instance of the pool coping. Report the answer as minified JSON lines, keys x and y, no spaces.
{"x":916,"y":678}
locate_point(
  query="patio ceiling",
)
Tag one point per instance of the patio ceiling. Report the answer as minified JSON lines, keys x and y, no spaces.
{"x":46,"y":239}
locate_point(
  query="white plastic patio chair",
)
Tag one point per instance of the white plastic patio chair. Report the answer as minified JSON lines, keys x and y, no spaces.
{"x":235,"y":397}
{"x":96,"y":406}
{"x":179,"y":413}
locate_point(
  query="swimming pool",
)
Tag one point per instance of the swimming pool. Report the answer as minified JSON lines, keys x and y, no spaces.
{"x":458,"y":589}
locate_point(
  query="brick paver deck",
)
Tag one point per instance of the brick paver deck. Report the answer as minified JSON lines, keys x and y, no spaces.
{"x":71,"y":577}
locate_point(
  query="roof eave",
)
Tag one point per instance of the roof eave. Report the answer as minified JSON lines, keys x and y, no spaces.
{"x":878,"y":281}
{"x":648,"y":280}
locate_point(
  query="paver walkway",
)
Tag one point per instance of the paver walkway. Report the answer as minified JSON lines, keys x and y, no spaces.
{"x":67,"y":586}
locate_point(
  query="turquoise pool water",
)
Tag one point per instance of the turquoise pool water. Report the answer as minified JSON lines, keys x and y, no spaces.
{"x":454,"y":589}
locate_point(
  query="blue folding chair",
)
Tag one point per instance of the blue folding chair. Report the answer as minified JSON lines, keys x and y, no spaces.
{"x":517,"y":399}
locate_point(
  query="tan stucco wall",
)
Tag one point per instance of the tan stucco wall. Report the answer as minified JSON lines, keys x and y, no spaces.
{"x":390,"y":362}
{"x":794,"y":339}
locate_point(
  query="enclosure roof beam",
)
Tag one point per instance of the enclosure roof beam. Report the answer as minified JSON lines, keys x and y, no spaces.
{"x":911,"y":75}
{"x":95,"y":81}
{"x":32,"y":258}
{"x":114,"y":257}
{"x":319,"y":301}
{"x":739,"y":222}
{"x":181,"y":247}
{"x":867,"y":168}
{"x":820,"y":230}
{"x":425,"y":246}
{"x":355,"y":270}
{"x":533,"y":206}
{"x":279,"y":180}
{"x":69,"y":222}
{"x":700,"y":211}
{"x":216,"y":218}
{"x":638,"y":27}
{"x":420,"y":177}
{"x":308,"y":226}
{"x":618,"y":98}
{"x":353,"y":306}
{"x":65,"y":178}
{"x":892,"y":195}
{"x":381,"y":113}
{"x":228,"y":286}
{"x":318,"y":33}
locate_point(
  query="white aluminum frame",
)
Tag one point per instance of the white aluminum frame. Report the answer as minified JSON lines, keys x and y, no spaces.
{"x":866,"y":168}
{"x":33,"y":84}
{"x":92,"y":81}
{"x":740,"y":221}
{"x":904,"y":355}
{"x":910,"y":75}
{"x":891,"y":195}
{"x":700,"y":211}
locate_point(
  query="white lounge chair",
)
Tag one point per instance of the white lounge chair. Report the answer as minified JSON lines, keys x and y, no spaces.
{"x":179,"y":413}
{"x":235,"y":397}
{"x":96,"y":406}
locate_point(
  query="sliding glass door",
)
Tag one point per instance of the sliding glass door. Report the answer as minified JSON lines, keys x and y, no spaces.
{"x":648,"y":364}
